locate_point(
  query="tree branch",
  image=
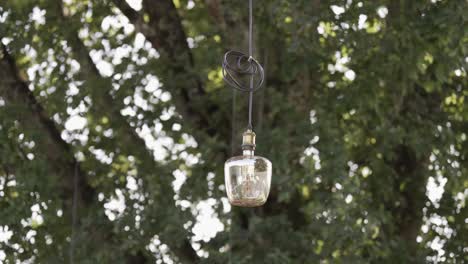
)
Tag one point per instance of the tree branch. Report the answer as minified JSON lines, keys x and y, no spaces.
{"x":134,"y":17}
{"x":168,"y":37}
{"x":59,"y":153}
{"x":127,"y":135}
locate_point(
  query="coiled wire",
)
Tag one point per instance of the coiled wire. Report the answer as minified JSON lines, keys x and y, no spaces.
{"x":242,"y":72}
{"x":238,"y":69}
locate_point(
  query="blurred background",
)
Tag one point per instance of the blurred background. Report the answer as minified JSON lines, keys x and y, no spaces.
{"x":115,"y":124}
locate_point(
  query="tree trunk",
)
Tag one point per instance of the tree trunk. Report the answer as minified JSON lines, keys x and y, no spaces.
{"x":127,"y":136}
{"x":410,"y":184}
{"x":59,"y":156}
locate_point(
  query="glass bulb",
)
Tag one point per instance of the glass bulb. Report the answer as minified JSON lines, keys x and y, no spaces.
{"x":247,"y":177}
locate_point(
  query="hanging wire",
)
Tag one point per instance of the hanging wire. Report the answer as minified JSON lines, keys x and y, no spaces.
{"x":243,"y":73}
{"x":237,"y":66}
{"x":251,"y":56}
{"x":233,"y":128}
{"x":233,"y":148}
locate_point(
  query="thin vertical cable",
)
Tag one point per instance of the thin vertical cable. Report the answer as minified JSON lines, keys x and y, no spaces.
{"x":243,"y":72}
{"x":233,"y":129}
{"x":235,"y":66}
{"x":250,"y":104}
{"x":250,"y":58}
{"x":250,"y":28}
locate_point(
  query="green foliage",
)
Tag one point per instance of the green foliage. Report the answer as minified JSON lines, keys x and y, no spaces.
{"x":362,"y":116}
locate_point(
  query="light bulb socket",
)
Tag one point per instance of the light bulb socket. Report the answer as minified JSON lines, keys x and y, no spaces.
{"x":248,"y":140}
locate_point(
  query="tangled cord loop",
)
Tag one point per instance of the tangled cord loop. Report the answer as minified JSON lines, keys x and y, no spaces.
{"x":242,"y":72}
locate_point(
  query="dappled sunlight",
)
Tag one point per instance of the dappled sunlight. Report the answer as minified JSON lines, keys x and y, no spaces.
{"x":115,"y":123}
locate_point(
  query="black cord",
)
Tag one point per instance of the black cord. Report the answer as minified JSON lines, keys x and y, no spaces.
{"x":237,"y":66}
{"x":250,"y":57}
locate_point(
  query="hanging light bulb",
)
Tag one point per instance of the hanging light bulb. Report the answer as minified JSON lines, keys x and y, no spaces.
{"x":247,"y":177}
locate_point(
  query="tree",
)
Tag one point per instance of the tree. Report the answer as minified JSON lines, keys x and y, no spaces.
{"x":362,"y":114}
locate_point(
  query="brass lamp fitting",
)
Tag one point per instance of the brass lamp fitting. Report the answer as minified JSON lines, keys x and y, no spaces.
{"x":248,"y":140}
